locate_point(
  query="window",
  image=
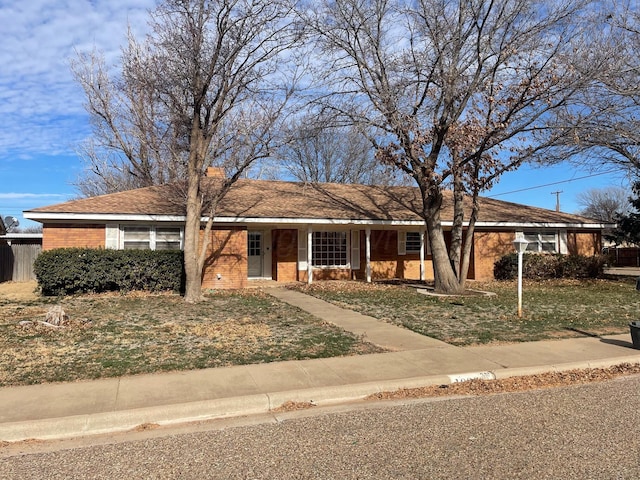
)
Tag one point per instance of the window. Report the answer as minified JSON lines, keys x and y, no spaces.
{"x":137,"y":237}
{"x":413,"y":242}
{"x":255,"y":244}
{"x":329,"y":249}
{"x":541,"y":242}
{"x":167,"y":238}
{"x":409,"y":243}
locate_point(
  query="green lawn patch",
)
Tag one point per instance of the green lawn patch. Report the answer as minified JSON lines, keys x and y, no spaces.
{"x":551,"y":309}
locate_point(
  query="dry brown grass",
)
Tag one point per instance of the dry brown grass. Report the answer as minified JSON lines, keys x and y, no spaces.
{"x":112,"y":335}
{"x":19,"y":291}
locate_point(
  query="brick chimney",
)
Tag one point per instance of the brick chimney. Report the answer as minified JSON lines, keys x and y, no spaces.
{"x":215,"y":172}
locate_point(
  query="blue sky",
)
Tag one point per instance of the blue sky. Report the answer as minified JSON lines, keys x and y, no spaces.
{"x":42,"y":118}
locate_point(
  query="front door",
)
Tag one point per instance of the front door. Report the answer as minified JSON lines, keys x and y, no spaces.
{"x":255,"y":254}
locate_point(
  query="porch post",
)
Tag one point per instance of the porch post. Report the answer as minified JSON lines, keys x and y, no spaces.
{"x":422,"y":272}
{"x":367,"y":250}
{"x":309,"y":254}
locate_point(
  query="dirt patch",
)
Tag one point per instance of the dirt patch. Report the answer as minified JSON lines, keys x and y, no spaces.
{"x":290,"y":406}
{"x":145,"y":427}
{"x":19,"y":291}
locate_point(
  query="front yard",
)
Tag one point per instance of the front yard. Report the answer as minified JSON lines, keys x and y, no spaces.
{"x":551,"y":309}
{"x":113,"y":335}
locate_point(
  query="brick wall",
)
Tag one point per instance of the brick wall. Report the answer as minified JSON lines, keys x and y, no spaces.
{"x":489,"y":247}
{"x":330,"y":274}
{"x":584,"y":243}
{"x":226,"y":267}
{"x":71,"y":235}
{"x":284,"y":267}
{"x":386,"y":263}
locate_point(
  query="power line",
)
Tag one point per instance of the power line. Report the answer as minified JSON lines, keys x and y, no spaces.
{"x":551,"y":184}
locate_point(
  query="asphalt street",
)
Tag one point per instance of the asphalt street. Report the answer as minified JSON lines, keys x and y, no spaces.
{"x":580,"y":432}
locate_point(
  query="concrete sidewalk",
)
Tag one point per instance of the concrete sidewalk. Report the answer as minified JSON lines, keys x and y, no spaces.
{"x":118,"y":404}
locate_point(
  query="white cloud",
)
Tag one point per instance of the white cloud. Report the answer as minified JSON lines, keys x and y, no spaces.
{"x":41,"y":107}
{"x":21,"y":196}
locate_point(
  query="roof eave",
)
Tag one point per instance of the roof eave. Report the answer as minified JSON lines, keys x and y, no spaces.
{"x":595,"y":226}
{"x":118,"y":217}
{"x":20,"y":236}
{"x":100,"y":217}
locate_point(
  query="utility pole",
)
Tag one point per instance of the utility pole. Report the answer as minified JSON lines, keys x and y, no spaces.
{"x":557,"y":194}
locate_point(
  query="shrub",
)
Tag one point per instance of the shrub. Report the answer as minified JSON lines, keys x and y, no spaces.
{"x":67,"y":271}
{"x":579,"y":266}
{"x":506,"y":268}
{"x":541,"y":266}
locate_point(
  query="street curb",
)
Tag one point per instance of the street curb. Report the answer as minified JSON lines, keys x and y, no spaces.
{"x":123,"y":420}
{"x":564,"y":367}
{"x":120,"y":421}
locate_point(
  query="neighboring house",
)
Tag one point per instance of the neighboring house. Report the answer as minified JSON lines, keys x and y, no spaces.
{"x":288,"y":231}
{"x":3,"y":229}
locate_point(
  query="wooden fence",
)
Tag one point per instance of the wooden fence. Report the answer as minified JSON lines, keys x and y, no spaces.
{"x":628,"y":257}
{"x":16,"y":261}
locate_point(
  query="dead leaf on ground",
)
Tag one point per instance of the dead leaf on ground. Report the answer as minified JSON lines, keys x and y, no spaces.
{"x":513,"y":384}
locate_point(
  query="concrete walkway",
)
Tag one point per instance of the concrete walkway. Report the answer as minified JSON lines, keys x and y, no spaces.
{"x":371,"y":329}
{"x":118,"y":404}
{"x":623,"y":271}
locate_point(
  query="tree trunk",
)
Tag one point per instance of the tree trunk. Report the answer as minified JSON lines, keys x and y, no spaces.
{"x":193,"y":274}
{"x":446,"y":280}
{"x":468,"y":241}
{"x":455,"y":249}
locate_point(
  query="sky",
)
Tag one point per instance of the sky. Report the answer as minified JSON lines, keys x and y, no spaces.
{"x":42,"y":116}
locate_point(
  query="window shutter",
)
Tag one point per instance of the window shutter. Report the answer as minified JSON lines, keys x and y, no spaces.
{"x":302,"y":250}
{"x":402,"y":243}
{"x":355,"y":250}
{"x":562,"y":237}
{"x":112,"y":236}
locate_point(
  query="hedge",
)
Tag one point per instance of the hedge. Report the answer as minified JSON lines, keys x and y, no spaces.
{"x":67,"y":271}
{"x":543,"y":266}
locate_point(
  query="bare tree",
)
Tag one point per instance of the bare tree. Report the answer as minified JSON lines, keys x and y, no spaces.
{"x":605,"y":123}
{"x":319,"y":150}
{"x":29,"y":229}
{"x":133,"y":143}
{"x":604,"y":204}
{"x":459,"y":92}
{"x":212,"y":78}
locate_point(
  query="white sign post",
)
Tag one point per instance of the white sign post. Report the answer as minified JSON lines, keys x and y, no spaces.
{"x":520,"y":245}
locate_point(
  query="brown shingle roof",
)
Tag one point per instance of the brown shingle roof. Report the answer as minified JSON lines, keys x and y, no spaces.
{"x":292,"y":200}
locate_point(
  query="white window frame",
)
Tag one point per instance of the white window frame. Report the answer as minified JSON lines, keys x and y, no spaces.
{"x":316,"y":238}
{"x":536,"y":241}
{"x":403,"y":243}
{"x":152,"y":234}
